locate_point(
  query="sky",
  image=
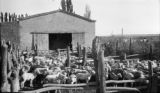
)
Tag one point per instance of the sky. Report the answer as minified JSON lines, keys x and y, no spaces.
{"x":134,"y":16}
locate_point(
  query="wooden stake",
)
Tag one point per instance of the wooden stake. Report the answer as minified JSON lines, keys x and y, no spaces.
{"x":95,"y":49}
{"x":15,"y":81}
{"x":68,"y":56}
{"x":102,"y":70}
{"x":79,"y":50}
{"x":4,"y":81}
{"x":150,"y":76}
{"x":150,"y":53}
{"x":84,"y":56}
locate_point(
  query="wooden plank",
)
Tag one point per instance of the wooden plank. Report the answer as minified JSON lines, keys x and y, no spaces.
{"x":126,"y":56}
{"x":55,"y":88}
{"x":126,"y":81}
{"x":122,"y":89}
{"x":142,"y":87}
{"x":71,"y":85}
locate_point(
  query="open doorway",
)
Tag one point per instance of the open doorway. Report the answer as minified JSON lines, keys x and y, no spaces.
{"x":60,"y":40}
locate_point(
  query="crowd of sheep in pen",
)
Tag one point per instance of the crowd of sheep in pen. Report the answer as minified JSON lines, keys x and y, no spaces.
{"x":38,"y":70}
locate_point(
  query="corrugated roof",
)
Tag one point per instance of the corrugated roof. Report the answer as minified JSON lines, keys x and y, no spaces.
{"x":51,"y":12}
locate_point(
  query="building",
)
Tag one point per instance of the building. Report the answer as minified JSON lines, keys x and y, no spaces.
{"x":49,"y":31}
{"x":56,"y":29}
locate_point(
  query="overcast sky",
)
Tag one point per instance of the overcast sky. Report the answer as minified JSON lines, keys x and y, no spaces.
{"x":135,"y":16}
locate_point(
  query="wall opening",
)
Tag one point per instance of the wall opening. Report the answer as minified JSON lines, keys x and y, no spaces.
{"x":60,"y":40}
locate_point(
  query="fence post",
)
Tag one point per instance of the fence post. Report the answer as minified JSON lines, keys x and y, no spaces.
{"x":130,"y":46}
{"x":152,"y":79}
{"x":4,"y":82}
{"x":150,"y":76}
{"x":36,"y":50}
{"x":18,"y":56}
{"x":79,"y":50}
{"x":58,"y":51}
{"x":102,"y":71}
{"x":95,"y":49}
{"x":117,"y":47}
{"x":125,"y":56}
{"x":68,"y":56}
{"x":84,"y":56}
{"x":150,"y":53}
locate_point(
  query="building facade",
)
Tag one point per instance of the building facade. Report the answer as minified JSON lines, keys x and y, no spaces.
{"x":56,"y":29}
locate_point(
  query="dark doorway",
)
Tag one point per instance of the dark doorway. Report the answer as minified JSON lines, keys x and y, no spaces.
{"x":60,"y":40}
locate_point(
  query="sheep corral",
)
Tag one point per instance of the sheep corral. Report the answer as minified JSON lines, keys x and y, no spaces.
{"x":109,"y":75}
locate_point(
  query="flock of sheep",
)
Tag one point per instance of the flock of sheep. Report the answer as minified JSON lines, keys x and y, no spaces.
{"x":38,"y":70}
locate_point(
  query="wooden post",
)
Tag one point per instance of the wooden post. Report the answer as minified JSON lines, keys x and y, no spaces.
{"x":0,"y":41}
{"x":125,"y":57}
{"x":68,"y":56}
{"x":150,"y":76}
{"x":4,"y":82}
{"x":102,"y":71}
{"x":150,"y":53}
{"x":18,"y":56}
{"x":154,"y":85}
{"x":84,"y":56}
{"x":36,"y":50}
{"x":15,"y":81}
{"x":79,"y":50}
{"x":153,"y":80}
{"x":117,"y":47}
{"x":95,"y":49}
{"x":130,"y":46}
{"x":58,"y":51}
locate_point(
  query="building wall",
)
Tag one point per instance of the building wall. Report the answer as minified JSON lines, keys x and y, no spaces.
{"x":56,"y":23}
{"x":41,"y":40}
{"x":10,"y":32}
{"x":78,"y":37}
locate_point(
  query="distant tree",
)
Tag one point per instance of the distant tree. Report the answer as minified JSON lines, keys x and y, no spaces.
{"x":6,"y":17}
{"x":2,"y":17}
{"x":12,"y":17}
{"x":22,"y":16}
{"x":19,"y":17}
{"x":9,"y":17}
{"x":87,"y":13}
{"x":69,"y":6}
{"x":26,"y":15}
{"x":63,"y":5}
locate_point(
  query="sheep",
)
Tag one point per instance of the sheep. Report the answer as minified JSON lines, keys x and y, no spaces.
{"x":83,"y":77}
{"x":52,"y":78}
{"x":72,"y":79}
{"x":27,"y":76}
{"x":63,"y":77}
{"x":128,"y":75}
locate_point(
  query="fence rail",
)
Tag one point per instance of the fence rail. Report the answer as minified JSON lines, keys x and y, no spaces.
{"x":49,"y":87}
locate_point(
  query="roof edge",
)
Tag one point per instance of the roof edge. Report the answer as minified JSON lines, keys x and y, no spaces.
{"x":55,"y":11}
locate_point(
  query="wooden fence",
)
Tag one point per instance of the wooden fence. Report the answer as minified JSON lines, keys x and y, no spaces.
{"x":101,"y":85}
